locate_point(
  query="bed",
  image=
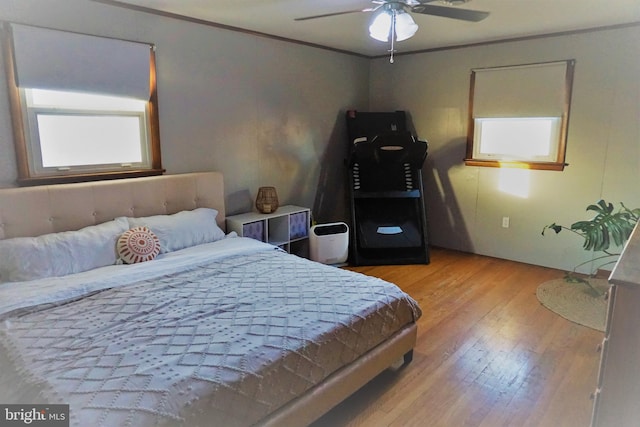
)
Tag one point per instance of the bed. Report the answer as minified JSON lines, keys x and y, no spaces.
{"x":223,"y":331}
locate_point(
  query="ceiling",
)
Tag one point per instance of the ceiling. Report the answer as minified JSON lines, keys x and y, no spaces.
{"x":509,"y":19}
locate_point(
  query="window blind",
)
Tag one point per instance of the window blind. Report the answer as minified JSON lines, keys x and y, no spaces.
{"x":61,"y":60}
{"x":537,"y":90}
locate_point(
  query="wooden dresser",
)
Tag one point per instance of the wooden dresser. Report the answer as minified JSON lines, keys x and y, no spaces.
{"x":617,"y":397}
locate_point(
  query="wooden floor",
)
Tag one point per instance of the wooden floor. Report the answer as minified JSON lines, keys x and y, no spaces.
{"x":488,"y":354}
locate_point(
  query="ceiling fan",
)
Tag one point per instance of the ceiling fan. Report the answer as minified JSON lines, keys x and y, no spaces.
{"x":393,"y":23}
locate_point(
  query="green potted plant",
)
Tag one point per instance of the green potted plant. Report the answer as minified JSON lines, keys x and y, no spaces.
{"x":606,"y":227}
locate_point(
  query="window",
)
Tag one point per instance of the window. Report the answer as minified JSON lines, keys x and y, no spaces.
{"x":84,"y":107}
{"x":519,"y":116}
{"x":70,"y":131}
{"x":517,"y":139}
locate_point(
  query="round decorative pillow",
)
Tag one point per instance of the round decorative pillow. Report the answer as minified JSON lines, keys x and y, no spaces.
{"x":138,"y":244}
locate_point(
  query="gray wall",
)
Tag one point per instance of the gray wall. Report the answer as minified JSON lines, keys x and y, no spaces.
{"x":266,"y":112}
{"x":262,"y":111}
{"x":465,"y":203}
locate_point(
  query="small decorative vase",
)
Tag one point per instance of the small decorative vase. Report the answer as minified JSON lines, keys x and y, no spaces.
{"x":267,"y":200}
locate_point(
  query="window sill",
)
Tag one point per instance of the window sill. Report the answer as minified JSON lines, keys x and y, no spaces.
{"x":86,"y":177}
{"x":549,"y":166}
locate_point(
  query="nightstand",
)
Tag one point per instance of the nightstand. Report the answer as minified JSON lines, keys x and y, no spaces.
{"x":286,"y":226}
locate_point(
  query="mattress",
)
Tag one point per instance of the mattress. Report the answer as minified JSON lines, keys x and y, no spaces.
{"x":219,"y":334}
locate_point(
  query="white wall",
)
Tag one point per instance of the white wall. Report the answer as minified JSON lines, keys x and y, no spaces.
{"x":465,"y":203}
{"x":262,"y":111}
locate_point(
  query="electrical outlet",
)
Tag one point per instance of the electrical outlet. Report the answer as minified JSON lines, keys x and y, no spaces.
{"x":505,"y":222}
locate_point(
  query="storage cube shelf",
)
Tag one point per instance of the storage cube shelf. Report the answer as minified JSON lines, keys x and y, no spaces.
{"x":255,"y":230}
{"x":299,"y":225}
{"x":286,"y":225}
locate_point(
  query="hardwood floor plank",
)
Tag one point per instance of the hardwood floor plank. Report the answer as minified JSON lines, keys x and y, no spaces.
{"x":488,"y":353}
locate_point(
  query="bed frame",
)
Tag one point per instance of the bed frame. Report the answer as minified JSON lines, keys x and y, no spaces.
{"x":33,"y":211}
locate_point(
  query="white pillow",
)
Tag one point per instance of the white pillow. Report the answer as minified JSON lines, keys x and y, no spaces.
{"x":59,"y":254}
{"x":183,"y":229}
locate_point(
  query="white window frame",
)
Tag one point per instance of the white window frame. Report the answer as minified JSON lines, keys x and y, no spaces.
{"x":517,"y":140}
{"x":32,"y":111}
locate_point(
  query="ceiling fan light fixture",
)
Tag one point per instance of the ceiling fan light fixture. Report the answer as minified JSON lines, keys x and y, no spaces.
{"x":405,"y":26}
{"x":392,"y":21}
{"x":380,"y":27}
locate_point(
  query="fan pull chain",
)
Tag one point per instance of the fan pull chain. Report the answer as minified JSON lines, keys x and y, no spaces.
{"x":393,"y":34}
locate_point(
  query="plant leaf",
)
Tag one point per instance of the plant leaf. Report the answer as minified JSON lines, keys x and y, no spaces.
{"x":555,"y":227}
{"x":605,"y":226}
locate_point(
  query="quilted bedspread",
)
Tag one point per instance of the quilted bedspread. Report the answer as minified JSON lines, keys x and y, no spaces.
{"x":228,"y":341}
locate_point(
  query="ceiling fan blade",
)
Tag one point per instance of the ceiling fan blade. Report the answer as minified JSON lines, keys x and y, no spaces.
{"x":306,"y":18}
{"x":450,"y":12}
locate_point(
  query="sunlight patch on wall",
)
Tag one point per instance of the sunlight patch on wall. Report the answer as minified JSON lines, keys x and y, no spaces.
{"x":516,"y":182}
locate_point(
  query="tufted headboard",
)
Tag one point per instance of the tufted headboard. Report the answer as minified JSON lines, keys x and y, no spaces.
{"x":33,"y":211}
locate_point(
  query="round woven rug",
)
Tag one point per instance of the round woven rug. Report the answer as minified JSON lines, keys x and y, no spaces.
{"x":576,"y":302}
